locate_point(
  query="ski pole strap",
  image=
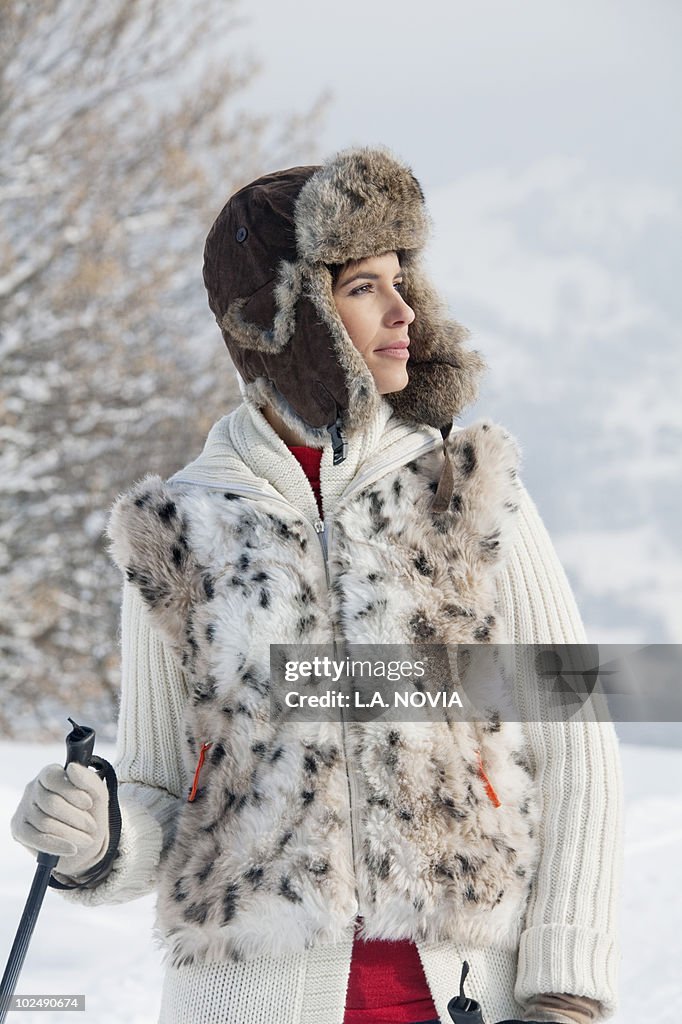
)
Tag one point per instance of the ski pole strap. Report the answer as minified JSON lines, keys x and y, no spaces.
{"x":102,"y":868}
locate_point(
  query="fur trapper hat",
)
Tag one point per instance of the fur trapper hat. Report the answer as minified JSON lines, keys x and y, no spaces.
{"x":267,"y":272}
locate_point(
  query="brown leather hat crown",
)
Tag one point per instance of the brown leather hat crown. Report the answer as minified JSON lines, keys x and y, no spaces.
{"x":266,"y":270}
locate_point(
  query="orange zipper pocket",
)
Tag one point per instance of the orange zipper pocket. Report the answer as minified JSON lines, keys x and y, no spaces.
{"x":488,"y":787}
{"x":195,"y":784}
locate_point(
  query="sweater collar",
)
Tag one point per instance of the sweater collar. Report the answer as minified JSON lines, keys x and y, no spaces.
{"x":242,"y":448}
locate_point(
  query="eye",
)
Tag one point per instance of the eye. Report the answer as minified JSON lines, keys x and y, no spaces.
{"x":399,"y":285}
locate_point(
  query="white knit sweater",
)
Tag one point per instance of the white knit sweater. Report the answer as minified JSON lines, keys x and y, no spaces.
{"x":569,"y":942}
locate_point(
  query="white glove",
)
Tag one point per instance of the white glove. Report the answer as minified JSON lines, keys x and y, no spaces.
{"x":65,"y":812}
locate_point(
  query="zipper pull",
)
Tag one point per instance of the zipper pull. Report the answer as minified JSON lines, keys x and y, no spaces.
{"x":488,"y":788}
{"x":202,"y":755}
{"x":320,"y":530}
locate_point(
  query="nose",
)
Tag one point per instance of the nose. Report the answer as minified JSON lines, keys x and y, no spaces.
{"x":400,"y":312}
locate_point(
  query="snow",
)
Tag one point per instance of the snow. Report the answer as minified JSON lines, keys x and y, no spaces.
{"x":106,"y":953}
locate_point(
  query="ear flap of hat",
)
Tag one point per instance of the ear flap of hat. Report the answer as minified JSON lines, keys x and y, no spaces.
{"x":350,"y":379}
{"x":306,"y":355}
{"x":444,"y":376}
{"x":305,"y":369}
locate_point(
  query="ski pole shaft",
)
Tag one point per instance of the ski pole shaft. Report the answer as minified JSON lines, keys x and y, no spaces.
{"x":79,"y":746}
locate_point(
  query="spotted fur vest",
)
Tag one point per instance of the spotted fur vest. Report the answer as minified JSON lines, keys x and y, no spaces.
{"x":426,"y":831}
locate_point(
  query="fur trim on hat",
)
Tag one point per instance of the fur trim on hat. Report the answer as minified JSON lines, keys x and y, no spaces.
{"x":361,"y":203}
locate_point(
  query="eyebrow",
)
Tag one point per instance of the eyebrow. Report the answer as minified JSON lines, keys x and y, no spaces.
{"x":366,"y":274}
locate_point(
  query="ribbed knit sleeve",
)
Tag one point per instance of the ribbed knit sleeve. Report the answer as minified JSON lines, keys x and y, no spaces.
{"x":148,"y":765}
{"x":569,"y":943}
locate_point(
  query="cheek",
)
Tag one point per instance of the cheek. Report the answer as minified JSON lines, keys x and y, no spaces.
{"x":360,"y":326}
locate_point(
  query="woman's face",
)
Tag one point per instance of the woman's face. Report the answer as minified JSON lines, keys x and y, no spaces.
{"x":368,"y":299}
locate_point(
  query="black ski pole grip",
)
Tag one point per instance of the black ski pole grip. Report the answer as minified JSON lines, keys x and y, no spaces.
{"x":463,"y":1010}
{"x":79,"y":748}
{"x":80,"y":744}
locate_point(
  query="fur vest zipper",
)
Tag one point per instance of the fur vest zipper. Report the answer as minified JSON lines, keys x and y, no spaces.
{"x":429,"y":831}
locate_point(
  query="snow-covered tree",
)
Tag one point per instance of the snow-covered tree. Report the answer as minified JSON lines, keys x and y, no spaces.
{"x":122,"y":136}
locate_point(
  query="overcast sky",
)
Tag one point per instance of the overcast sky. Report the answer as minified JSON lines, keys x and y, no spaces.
{"x":454,"y":86}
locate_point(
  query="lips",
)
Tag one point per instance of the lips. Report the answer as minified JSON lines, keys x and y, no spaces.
{"x":402,"y":343}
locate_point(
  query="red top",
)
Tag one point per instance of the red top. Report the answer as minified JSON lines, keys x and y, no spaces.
{"x":310,"y":459}
{"x":387,"y":984}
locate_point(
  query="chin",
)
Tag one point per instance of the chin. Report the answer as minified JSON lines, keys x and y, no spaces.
{"x":388,"y":387}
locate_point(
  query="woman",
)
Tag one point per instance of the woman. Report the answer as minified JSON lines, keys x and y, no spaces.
{"x":333,"y":870}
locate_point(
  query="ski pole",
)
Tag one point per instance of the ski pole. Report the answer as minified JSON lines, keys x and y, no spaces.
{"x":79,"y":746}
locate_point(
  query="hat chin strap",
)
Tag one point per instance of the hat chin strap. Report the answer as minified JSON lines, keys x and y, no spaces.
{"x":339,"y":443}
{"x":446,"y":481}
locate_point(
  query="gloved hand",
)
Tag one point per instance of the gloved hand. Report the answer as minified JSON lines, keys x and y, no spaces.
{"x":65,"y":812}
